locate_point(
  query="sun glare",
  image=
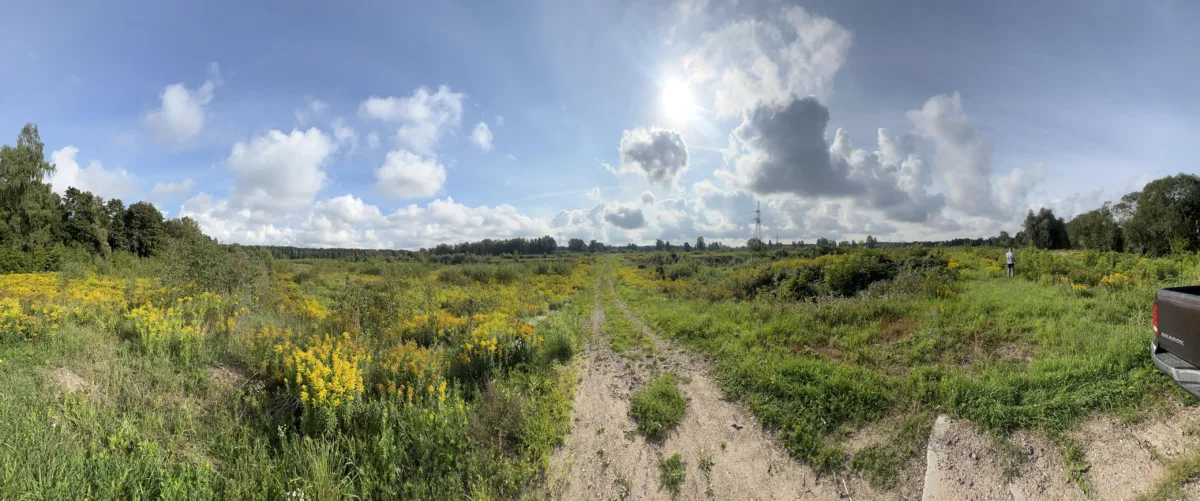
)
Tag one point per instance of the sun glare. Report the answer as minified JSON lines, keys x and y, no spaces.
{"x":677,"y":103}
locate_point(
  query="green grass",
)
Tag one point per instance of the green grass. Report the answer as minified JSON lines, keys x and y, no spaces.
{"x":149,"y":427}
{"x":1179,"y":472}
{"x":658,"y":408}
{"x":624,"y":336}
{"x":672,"y":472}
{"x":1027,"y":353}
{"x":880,"y":463}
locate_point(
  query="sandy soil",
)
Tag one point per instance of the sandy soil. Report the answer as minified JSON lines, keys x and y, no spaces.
{"x":1124,"y":459}
{"x":604,"y":457}
{"x":66,"y":381}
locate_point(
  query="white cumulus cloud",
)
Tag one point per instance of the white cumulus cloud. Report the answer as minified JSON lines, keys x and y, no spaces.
{"x":405,"y":174}
{"x":279,"y":173}
{"x":108,"y":183}
{"x":182,"y":113}
{"x":163,"y":191}
{"x":961,"y":154}
{"x":749,"y":61}
{"x":423,"y":117}
{"x":482,"y":136}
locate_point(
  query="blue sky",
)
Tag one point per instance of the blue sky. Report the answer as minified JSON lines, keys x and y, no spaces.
{"x":992,"y":108}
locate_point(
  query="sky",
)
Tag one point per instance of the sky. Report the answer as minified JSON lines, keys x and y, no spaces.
{"x":403,"y":125}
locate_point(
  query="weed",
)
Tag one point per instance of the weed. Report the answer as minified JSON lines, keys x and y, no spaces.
{"x":672,"y":472}
{"x":1075,"y":460}
{"x":881,"y":463}
{"x":1179,"y":472}
{"x":658,"y":408}
{"x":943,"y":333}
{"x":706,"y":464}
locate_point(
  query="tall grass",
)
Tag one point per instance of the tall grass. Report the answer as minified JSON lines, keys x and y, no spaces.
{"x":89,"y":413}
{"x":820,"y":346}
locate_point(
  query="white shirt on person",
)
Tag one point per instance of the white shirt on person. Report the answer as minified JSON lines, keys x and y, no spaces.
{"x":1008,"y":255}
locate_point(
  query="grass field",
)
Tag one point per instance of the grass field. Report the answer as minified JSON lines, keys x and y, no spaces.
{"x":335,"y":380}
{"x":822,"y":345}
{"x":332,"y":379}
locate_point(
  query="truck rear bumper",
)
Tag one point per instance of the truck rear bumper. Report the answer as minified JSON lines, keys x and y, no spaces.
{"x":1179,"y":370}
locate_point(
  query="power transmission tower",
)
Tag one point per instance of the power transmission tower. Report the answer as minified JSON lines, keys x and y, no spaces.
{"x":758,"y":220}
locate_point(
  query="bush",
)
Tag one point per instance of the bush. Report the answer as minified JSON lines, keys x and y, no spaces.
{"x":208,"y":266}
{"x":658,"y":408}
{"x":680,"y":270}
{"x":304,"y":276}
{"x":560,"y":341}
{"x":849,"y":276}
{"x":672,"y":472}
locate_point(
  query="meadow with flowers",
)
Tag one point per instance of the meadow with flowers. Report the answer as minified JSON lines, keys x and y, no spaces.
{"x":823,"y":342}
{"x":217,"y":372}
{"x":322,"y":379}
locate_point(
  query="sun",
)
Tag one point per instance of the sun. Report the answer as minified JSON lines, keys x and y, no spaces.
{"x":677,"y":101}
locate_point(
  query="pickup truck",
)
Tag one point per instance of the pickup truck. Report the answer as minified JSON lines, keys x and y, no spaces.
{"x":1176,"y":345}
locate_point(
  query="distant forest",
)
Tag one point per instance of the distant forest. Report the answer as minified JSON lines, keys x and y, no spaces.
{"x":40,"y":228}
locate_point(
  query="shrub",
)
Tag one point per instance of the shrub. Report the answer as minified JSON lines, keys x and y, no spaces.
{"x":672,"y":472}
{"x":304,"y":276}
{"x":849,"y":276}
{"x":560,"y":340}
{"x":680,"y":270}
{"x":658,"y":408}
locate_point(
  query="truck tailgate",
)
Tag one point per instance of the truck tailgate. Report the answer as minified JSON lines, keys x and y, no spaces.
{"x":1179,"y":322}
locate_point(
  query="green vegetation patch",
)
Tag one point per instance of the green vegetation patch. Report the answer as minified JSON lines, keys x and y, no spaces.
{"x":672,"y":471}
{"x":881,"y":463}
{"x":1179,"y":472}
{"x":818,"y":345}
{"x":658,"y":408}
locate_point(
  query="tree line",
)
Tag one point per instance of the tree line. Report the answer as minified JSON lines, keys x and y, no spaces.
{"x":37,"y":225}
{"x":1162,"y":218}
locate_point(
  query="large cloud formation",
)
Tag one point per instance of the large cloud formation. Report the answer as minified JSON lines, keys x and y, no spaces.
{"x":784,"y":152}
{"x":750,"y":61}
{"x":407,"y":175}
{"x":960,"y":152}
{"x":787,"y":153}
{"x":660,"y":155}
{"x":279,"y":173}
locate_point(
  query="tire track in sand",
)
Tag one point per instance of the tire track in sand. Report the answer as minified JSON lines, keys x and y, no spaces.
{"x":604,"y":458}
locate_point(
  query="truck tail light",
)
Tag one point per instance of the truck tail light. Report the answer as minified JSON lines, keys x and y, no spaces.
{"x":1154,"y":318}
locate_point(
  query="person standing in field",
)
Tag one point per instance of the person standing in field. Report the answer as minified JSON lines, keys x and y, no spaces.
{"x":1008,"y":256}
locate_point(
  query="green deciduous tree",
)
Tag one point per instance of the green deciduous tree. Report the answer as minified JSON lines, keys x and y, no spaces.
{"x":29,"y":209}
{"x":700,"y":245}
{"x":143,"y":222}
{"x":85,"y":220}
{"x":118,"y":236}
{"x":1096,"y":230}
{"x":1166,"y":210}
{"x":1046,"y":231}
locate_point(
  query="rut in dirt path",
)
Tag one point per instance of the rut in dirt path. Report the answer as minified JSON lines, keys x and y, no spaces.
{"x":604,"y":458}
